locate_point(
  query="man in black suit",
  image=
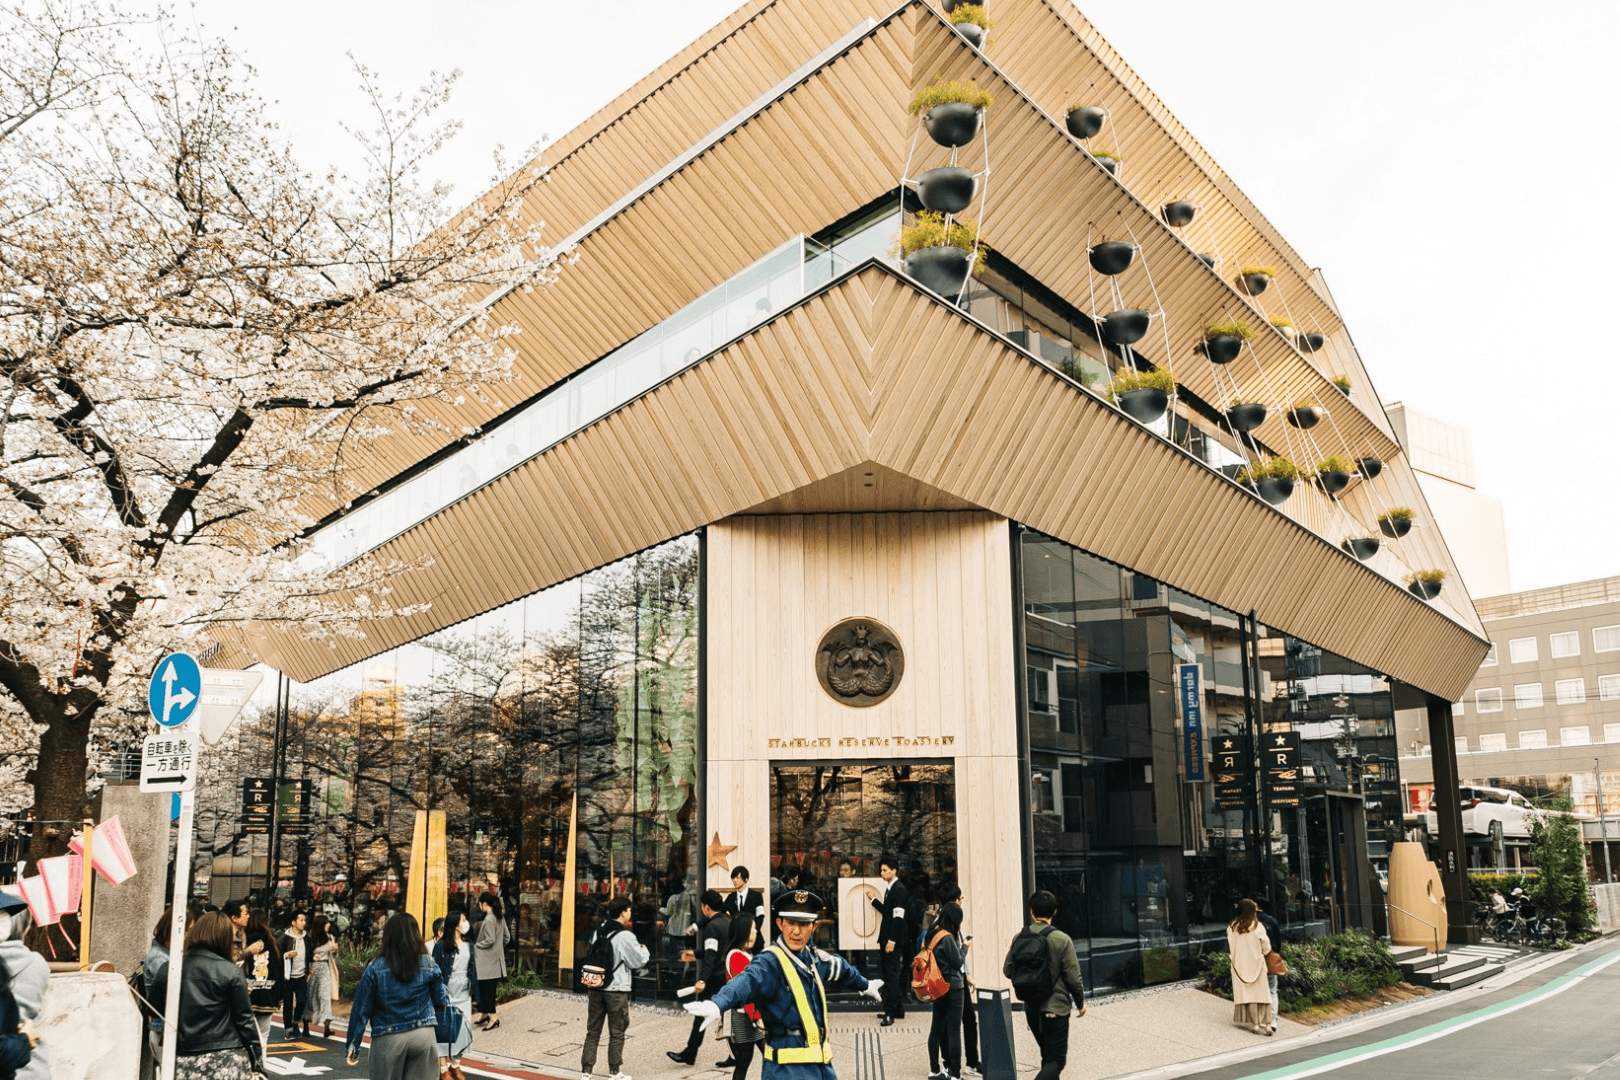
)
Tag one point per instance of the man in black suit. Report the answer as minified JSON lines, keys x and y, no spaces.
{"x":712,"y":931}
{"x":895,"y":937}
{"x":744,"y":901}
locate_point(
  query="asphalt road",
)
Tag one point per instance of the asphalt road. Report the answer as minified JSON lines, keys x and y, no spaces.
{"x":324,"y":1058}
{"x":1558,"y":1022}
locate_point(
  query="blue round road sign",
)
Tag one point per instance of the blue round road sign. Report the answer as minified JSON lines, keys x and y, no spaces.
{"x":175,"y":689}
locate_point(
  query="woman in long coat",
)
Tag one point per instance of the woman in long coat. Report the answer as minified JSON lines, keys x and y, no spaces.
{"x":1246,"y":940}
{"x":489,"y":956}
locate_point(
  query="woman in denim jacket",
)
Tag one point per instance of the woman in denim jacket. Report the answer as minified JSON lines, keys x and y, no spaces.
{"x":398,"y":994}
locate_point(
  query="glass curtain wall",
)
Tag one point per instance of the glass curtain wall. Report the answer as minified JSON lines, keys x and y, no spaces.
{"x":1126,"y":826}
{"x":575,"y":707}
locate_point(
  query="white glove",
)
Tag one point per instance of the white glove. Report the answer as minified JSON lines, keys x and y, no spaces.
{"x":707,"y":1010}
{"x":874,"y":989}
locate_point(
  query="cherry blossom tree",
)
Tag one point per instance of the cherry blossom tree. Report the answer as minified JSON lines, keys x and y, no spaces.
{"x":202,"y":343}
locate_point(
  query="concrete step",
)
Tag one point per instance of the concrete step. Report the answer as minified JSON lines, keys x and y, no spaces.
{"x":1469,"y":977}
{"x":1403,"y":953}
{"x":1452,"y":967}
{"x":1427,"y":962}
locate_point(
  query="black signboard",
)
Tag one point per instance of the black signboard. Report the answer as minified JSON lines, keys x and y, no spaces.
{"x":1280,"y":760}
{"x":295,"y":798}
{"x":1232,"y":766}
{"x":256,"y":804}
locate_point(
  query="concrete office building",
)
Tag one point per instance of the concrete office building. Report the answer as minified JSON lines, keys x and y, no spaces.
{"x":787,"y":559}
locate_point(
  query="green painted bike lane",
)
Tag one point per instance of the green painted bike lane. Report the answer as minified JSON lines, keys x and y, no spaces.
{"x":1352,"y":1049}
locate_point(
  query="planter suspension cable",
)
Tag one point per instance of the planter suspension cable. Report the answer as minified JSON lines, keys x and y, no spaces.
{"x":1164,"y":325}
{"x":984,"y":203}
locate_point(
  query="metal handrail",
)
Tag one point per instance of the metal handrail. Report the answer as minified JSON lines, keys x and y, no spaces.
{"x":1432,"y":926}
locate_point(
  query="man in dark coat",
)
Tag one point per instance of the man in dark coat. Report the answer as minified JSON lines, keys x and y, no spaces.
{"x":896,"y":938}
{"x":713,"y":930}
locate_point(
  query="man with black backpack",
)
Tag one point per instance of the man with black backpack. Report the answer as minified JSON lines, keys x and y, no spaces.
{"x":1045,"y":976}
{"x":613,"y":953}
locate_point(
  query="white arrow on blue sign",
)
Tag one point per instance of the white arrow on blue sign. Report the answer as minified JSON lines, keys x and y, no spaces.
{"x":175,"y":689}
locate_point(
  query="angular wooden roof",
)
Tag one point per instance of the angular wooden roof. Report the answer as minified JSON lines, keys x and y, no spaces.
{"x":872,"y":374}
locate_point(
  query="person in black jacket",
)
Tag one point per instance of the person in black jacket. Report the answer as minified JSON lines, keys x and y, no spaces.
{"x":945,"y":1032}
{"x":744,"y":901}
{"x":713,"y":931}
{"x":217,"y":1035}
{"x":896,"y":937}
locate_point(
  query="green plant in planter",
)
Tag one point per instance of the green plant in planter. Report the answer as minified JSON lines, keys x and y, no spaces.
{"x":970,"y":13}
{"x":1109,"y":154}
{"x":1303,"y":405}
{"x":1279,"y":468}
{"x":1398,"y":513}
{"x":1335,"y":463}
{"x":1282,"y":324}
{"x":1342,"y":382}
{"x":1428,"y":577}
{"x":1127,"y":379}
{"x":1236,"y":328}
{"x":1263,"y":271}
{"x":941,"y":93}
{"x":931,"y":230}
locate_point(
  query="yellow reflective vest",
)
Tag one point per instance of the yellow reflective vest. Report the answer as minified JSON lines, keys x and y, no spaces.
{"x":816,"y":1049}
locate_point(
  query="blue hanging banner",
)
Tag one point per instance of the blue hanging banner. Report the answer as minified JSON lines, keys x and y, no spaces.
{"x":1189,"y":682}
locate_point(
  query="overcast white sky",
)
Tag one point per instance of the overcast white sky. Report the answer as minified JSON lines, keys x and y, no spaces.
{"x":1447,"y":165}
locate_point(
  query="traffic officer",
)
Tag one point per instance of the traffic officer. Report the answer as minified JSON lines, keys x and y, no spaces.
{"x":788,"y":983}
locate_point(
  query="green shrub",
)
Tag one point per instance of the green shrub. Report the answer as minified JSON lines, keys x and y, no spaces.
{"x":1127,"y":379}
{"x":930,"y":230}
{"x":518,"y":982}
{"x":1281,"y":323}
{"x":1109,"y":154}
{"x":1335,"y":463}
{"x":942,"y":93}
{"x":1236,"y":328}
{"x":1432,"y":577}
{"x":1263,"y":271}
{"x":1480,"y":886}
{"x":1278,"y":468}
{"x":351,"y":962}
{"x":1342,"y":382}
{"x":1398,"y":513}
{"x":970,"y":13}
{"x":1351,"y":964}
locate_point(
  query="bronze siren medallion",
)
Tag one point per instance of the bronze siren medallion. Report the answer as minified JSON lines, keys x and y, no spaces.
{"x":859,"y":662}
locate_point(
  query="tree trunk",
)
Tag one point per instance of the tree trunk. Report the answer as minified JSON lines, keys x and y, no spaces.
{"x":59,"y":774}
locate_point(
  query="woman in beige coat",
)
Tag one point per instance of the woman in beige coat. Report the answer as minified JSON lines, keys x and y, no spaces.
{"x":1251,"y":996}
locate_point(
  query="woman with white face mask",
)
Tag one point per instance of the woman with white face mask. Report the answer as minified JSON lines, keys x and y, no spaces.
{"x":455,"y":959}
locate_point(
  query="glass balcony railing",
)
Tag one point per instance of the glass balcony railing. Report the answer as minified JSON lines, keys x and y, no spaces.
{"x":733,"y":308}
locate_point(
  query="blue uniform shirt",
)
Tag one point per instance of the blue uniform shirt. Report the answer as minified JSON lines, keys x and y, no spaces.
{"x":762,"y":985}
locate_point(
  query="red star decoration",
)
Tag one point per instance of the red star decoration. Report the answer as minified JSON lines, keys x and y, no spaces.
{"x":719,"y":851}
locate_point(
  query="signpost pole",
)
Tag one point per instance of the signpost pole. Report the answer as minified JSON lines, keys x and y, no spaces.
{"x":84,"y":896}
{"x":177,"y":932}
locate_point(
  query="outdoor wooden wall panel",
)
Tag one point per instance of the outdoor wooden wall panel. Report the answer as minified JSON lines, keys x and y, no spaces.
{"x":957,"y":410}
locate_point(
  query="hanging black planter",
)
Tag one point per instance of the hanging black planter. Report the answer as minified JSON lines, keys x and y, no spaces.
{"x":942,"y":269}
{"x":1145,"y":405}
{"x":1178,"y":213}
{"x":952,"y":5}
{"x":1369,"y":467}
{"x":1362,"y":547}
{"x":1274,"y":489}
{"x":1207,"y":258}
{"x":1111,"y":164}
{"x":1395,"y":527}
{"x":948,"y":190}
{"x":972,"y":31}
{"x":1254,"y":284}
{"x":1222,"y":348}
{"x":1246,"y":417}
{"x":1124,"y":327}
{"x":1310,"y":342}
{"x":1084,"y":121}
{"x":1343,"y":389}
{"x":1305,"y":417}
{"x":953,"y":123}
{"x":1112,"y":256}
{"x":1333,"y":481}
{"x":1428,"y":590}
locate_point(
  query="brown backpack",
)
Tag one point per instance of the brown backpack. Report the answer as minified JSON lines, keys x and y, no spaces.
{"x":928,"y":983}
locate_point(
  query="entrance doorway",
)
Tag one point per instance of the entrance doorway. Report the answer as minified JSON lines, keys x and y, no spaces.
{"x":832,"y":823}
